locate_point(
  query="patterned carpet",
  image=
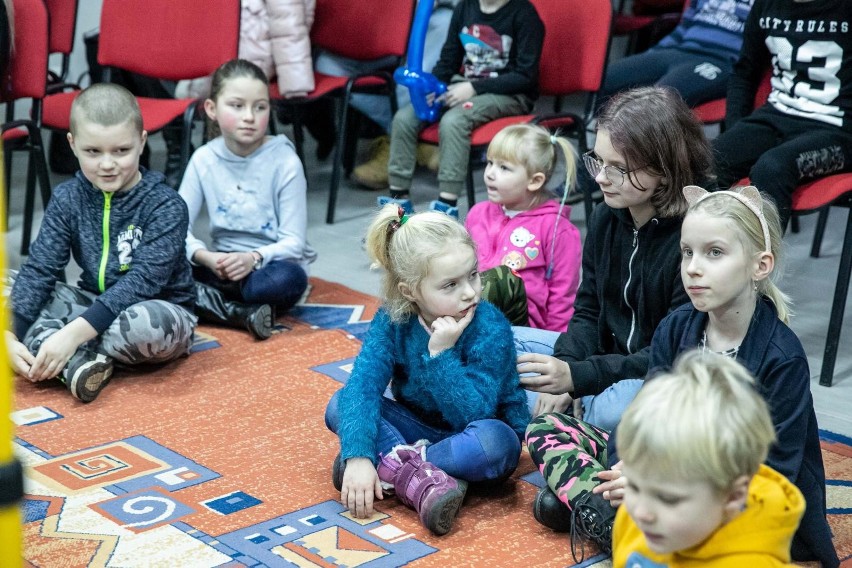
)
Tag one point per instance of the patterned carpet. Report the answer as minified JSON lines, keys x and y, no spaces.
{"x":222,"y":459}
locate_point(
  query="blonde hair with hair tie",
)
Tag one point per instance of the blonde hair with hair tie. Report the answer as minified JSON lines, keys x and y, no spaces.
{"x":403,"y":245}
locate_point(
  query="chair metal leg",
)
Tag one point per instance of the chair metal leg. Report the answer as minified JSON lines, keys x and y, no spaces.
{"x":351,"y":145}
{"x":299,"y":135}
{"x":186,"y":140}
{"x":794,"y":223}
{"x":819,"y":232}
{"x":7,"y":164}
{"x":40,"y":166}
{"x":29,"y":204}
{"x":338,"y":157}
{"x":838,"y":306}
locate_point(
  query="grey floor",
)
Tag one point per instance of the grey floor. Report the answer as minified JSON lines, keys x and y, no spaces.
{"x":809,"y":281}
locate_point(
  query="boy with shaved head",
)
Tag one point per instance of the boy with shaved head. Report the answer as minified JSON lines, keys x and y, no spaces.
{"x":125,"y":228}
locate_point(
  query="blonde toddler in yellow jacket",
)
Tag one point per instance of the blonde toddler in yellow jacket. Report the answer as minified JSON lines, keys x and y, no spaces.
{"x":692,"y":444}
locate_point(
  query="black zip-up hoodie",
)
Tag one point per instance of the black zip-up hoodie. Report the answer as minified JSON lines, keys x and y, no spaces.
{"x":631,"y":280}
{"x":130,"y":246}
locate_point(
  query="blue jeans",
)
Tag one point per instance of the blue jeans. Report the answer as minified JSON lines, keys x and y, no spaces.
{"x":485,"y":450}
{"x":603,"y":410}
{"x":280,"y":283}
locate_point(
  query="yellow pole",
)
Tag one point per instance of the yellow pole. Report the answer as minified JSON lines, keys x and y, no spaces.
{"x":10,"y":515}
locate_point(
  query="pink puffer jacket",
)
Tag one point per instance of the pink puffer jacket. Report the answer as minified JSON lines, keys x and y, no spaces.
{"x":275,"y":34}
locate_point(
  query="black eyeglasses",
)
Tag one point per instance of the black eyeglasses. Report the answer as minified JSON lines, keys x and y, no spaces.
{"x":614,"y":174}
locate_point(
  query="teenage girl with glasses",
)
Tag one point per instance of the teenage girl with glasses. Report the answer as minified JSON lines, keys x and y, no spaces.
{"x":648,"y":147}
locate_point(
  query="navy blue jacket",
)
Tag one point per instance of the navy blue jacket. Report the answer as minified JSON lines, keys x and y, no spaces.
{"x":774,"y":355}
{"x":130,"y":246}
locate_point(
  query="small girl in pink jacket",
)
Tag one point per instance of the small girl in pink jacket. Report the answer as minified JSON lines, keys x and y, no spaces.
{"x":523,"y":227}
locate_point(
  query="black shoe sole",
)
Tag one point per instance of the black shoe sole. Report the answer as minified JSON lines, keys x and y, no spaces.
{"x":260,"y":323}
{"x":337,"y":469}
{"x":97,"y":377}
{"x":445,"y":510}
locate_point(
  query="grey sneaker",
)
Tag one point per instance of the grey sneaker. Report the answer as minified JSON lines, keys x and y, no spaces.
{"x":86,"y":374}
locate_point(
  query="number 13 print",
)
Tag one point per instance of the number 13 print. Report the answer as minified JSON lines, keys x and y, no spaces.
{"x":812,"y":93}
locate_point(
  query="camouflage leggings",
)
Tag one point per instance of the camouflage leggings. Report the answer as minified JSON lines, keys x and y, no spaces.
{"x":569,"y":453}
{"x":505,"y":289}
{"x":153,"y":331}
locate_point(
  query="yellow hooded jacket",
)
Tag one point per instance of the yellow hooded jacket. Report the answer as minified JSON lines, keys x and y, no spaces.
{"x":759,"y":536}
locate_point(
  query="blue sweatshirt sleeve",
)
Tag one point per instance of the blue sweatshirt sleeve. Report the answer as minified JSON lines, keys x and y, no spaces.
{"x":292,"y":208}
{"x":786,"y":389}
{"x":193,"y":195}
{"x":49,"y":255}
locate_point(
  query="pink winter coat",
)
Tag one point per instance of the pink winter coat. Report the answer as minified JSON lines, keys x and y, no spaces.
{"x":525,"y":243}
{"x":275,"y":34}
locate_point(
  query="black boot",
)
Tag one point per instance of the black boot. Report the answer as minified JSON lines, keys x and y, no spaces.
{"x":592,"y":518}
{"x":550,"y":511}
{"x":211,"y":306}
{"x":172,"y":134}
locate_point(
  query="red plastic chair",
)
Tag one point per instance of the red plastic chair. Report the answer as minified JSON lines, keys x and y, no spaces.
{"x":63,"y":22}
{"x":28,"y":79}
{"x":713,"y":112}
{"x":819,"y":196}
{"x":164,"y":39}
{"x":573,"y":60}
{"x":363,"y":30}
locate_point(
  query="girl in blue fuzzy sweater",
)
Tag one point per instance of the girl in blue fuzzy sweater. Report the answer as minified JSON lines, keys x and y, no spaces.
{"x":458,"y":412}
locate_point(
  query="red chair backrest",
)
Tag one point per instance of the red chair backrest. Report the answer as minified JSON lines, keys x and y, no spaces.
{"x":169,"y":39}
{"x":28,"y":69}
{"x":63,"y":20}
{"x":363,"y":29}
{"x":576,"y":36}
{"x":713,"y":112}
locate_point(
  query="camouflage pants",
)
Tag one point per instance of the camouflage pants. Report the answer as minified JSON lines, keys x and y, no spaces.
{"x":569,"y":454}
{"x":149,"y":332}
{"x":505,"y":289}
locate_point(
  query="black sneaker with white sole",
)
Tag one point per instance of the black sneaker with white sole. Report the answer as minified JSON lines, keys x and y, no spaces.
{"x":86,"y":374}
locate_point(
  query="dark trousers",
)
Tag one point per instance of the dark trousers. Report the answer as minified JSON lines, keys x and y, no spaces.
{"x":280,"y":283}
{"x":698,"y":78}
{"x":779,"y":152}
